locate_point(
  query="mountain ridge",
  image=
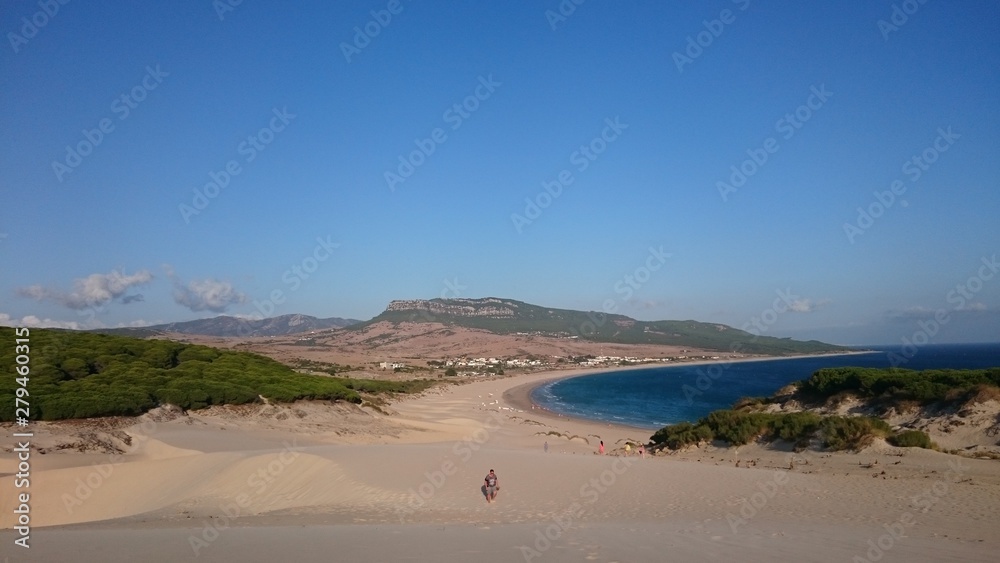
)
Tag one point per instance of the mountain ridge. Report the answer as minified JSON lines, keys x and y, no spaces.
{"x":506,"y":316}
{"x":226,"y":326}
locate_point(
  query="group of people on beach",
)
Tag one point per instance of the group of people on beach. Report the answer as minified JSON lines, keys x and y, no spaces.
{"x":628,"y":449}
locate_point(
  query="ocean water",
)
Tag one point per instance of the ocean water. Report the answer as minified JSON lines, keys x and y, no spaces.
{"x":657,"y":396}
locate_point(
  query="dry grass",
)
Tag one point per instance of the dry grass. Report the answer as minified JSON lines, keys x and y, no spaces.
{"x":982,"y":393}
{"x":840,"y":399}
{"x":907,"y":406}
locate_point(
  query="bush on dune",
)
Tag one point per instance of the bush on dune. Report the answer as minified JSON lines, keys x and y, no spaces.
{"x":738,"y":428}
{"x":852,"y":432}
{"x":677,"y":436}
{"x":796,"y":427}
{"x":912,"y":439}
{"x":893,"y":386}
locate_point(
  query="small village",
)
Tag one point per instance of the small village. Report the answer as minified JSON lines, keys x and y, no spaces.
{"x":480,"y":367}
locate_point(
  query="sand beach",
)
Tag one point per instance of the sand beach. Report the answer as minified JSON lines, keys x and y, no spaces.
{"x":316,"y":482}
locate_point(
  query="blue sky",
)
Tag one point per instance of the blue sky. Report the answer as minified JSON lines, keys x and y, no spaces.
{"x":489,"y":102}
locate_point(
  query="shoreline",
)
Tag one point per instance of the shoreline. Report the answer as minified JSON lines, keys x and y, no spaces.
{"x":519,"y":396}
{"x":253,"y":483}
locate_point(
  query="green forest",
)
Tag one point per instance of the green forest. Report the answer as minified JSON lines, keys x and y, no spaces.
{"x":82,"y":375}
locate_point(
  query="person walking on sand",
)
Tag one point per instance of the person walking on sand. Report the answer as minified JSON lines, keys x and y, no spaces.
{"x":492,"y":486}
{"x":600,"y":450}
{"x":546,"y":446}
{"x":642,"y":451}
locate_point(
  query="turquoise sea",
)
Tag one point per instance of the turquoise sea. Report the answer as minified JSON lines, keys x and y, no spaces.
{"x":657,"y":396}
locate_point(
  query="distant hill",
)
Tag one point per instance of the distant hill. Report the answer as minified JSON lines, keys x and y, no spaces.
{"x":506,"y":316}
{"x":232,"y":326}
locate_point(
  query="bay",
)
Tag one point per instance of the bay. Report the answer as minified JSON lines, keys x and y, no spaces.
{"x":654,"y":397}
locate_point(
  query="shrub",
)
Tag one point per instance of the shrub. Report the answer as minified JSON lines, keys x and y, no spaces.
{"x":739,"y":428}
{"x":911,"y":439}
{"x":894,"y":385}
{"x":797,"y":427}
{"x":75,"y":368}
{"x":197,"y":353}
{"x":677,"y":436}
{"x":852,"y":432}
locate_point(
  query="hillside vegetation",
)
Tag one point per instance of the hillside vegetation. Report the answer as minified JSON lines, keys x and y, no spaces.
{"x":506,"y":316}
{"x":81,"y":375}
{"x":886,"y":388}
{"x":879,"y":390}
{"x":226,"y":326}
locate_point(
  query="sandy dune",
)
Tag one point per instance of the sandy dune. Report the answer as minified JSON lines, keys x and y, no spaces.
{"x":354,"y":485}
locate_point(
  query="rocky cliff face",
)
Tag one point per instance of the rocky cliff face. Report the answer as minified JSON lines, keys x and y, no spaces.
{"x":490,"y":307}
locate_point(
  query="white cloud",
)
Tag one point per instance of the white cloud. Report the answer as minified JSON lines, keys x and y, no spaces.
{"x":807,"y":305}
{"x":35,"y":292}
{"x":32,"y":321}
{"x":94,"y":290}
{"x":204,"y":295}
{"x":138,"y":323}
{"x":249,"y":317}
